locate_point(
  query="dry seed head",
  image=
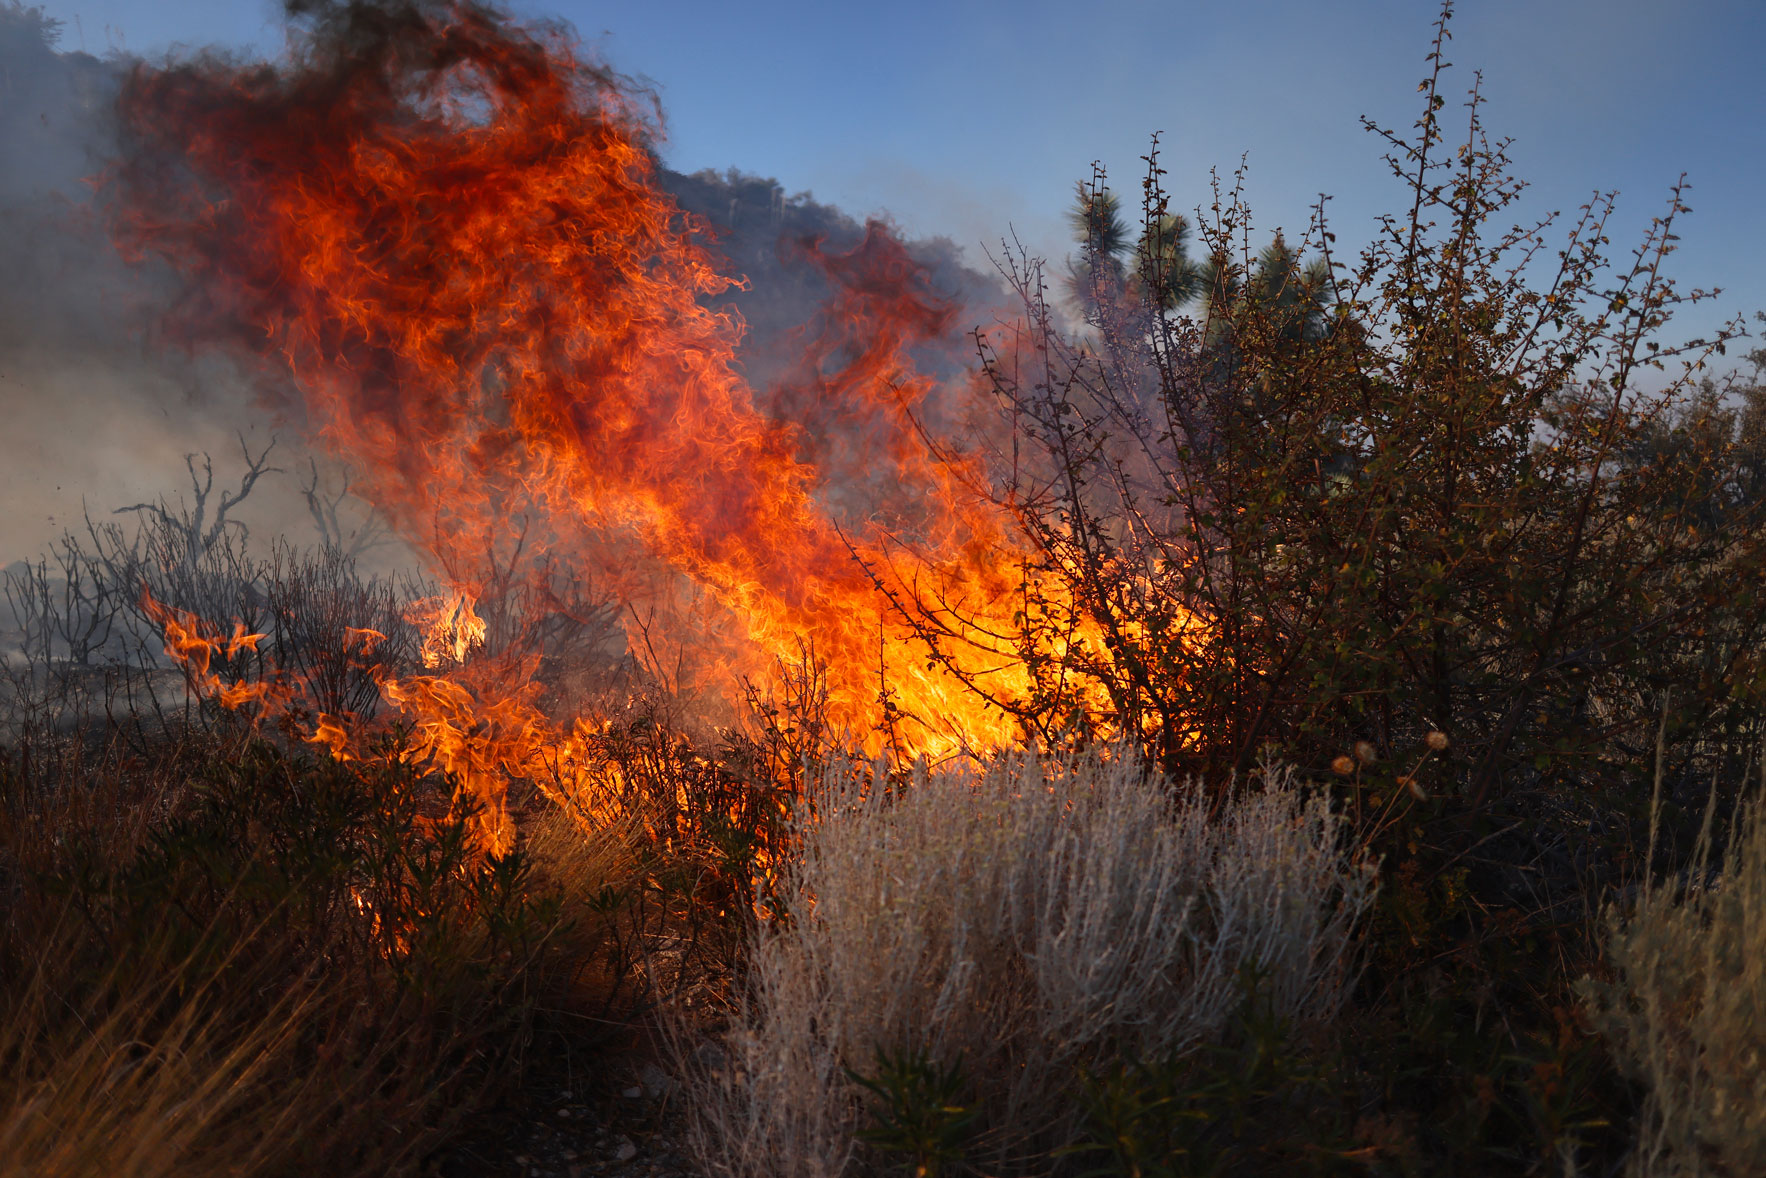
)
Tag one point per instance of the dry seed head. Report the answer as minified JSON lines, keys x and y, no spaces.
{"x":1436,"y":741}
{"x":1409,"y":781}
{"x":1343,"y":765}
{"x":1365,"y":752}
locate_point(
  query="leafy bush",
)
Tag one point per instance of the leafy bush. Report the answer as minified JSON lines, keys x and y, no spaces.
{"x":1361,"y":500}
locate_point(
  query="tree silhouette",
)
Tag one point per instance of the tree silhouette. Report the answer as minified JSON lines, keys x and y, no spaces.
{"x":189,"y":528}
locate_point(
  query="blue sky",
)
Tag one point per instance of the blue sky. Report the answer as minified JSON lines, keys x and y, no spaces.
{"x":965,"y":118}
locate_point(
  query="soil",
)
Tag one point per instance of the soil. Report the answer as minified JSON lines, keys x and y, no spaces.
{"x":616,"y":1111}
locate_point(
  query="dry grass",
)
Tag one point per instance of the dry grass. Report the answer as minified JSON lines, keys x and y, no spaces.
{"x":150,"y":1075}
{"x":594,"y":868}
{"x":1030,"y":920}
{"x":1686,"y":1013}
{"x":197,"y":1068}
{"x":231,"y":961}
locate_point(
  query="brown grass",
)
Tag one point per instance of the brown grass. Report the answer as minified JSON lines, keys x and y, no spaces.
{"x":185,"y":989}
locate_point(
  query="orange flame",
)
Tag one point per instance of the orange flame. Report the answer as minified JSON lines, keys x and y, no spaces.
{"x":363,"y":640}
{"x":197,"y":652}
{"x":450,"y":625}
{"x":447,"y":234}
{"x":481,"y":742}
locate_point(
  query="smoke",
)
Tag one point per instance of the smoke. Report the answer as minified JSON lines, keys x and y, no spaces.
{"x":782,"y":247}
{"x":101,"y":406}
{"x":97,"y":414}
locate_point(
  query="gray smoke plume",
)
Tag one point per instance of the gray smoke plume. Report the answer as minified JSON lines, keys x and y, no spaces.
{"x":96,"y":416}
{"x":99,"y":411}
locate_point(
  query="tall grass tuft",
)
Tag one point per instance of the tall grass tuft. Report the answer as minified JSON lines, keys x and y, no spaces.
{"x":160,"y":1071}
{"x":1686,"y":1012}
{"x":1026,"y":922}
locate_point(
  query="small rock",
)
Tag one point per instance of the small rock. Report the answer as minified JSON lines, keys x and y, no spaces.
{"x":564,"y":1114}
{"x":521,"y":1159}
{"x":632,"y":1093}
{"x":626,"y":1152}
{"x":659,"y":1082}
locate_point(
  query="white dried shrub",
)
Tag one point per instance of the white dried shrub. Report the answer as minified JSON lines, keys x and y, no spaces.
{"x":1686,"y":1014}
{"x":1027,"y":920}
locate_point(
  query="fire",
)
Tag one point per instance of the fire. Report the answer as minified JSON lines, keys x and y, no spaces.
{"x":443,"y":238}
{"x":189,"y":647}
{"x":482,"y":738}
{"x":450,"y":627}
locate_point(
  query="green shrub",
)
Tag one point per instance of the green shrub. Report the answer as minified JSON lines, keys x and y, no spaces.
{"x":918,"y":1118}
{"x":1254,"y":1101}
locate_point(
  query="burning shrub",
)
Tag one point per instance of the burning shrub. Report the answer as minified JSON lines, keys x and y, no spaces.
{"x":1017,"y":924}
{"x":540,"y":365}
{"x":1436,"y":488}
{"x":320,"y":613}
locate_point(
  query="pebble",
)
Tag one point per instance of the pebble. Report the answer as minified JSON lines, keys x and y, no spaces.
{"x":627,"y":1150}
{"x":659,"y":1082}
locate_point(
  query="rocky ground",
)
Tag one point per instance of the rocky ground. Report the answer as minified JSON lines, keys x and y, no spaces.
{"x":618,"y":1116}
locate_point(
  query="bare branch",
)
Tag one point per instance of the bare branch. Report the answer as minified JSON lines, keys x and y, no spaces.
{"x":184,"y":530}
